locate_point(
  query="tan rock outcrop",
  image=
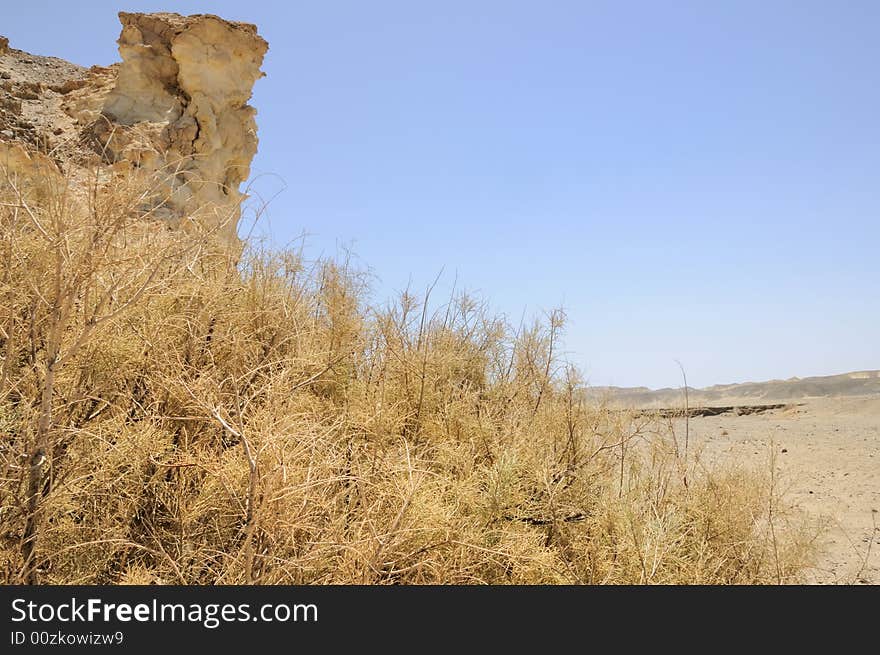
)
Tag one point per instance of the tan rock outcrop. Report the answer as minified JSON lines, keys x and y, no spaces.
{"x":182,"y":92}
{"x":174,"y":110}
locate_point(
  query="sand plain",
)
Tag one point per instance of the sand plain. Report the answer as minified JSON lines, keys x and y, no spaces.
{"x":828,"y":463}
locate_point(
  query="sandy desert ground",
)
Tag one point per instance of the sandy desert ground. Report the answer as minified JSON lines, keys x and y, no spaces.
{"x":829,"y":460}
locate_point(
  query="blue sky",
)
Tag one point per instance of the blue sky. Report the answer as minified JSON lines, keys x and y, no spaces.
{"x":693,"y":181}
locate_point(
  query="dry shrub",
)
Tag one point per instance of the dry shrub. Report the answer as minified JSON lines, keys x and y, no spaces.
{"x":261,"y":422}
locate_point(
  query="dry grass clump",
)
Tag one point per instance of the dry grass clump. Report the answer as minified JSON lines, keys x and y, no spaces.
{"x":169,"y":416}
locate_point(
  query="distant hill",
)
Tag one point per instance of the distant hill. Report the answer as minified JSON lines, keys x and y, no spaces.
{"x":857,"y":383}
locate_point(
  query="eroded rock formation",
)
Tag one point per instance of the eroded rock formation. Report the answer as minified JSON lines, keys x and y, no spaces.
{"x":175,"y":109}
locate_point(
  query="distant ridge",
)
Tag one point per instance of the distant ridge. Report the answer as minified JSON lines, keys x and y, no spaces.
{"x":855,"y":383}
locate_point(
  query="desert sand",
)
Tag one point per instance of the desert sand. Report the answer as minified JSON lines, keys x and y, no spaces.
{"x":829,"y":465}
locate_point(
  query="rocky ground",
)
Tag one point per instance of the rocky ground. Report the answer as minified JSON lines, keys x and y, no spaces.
{"x":40,"y":98}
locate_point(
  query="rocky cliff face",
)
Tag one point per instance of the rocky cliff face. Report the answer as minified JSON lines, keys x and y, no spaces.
{"x":174,"y":109}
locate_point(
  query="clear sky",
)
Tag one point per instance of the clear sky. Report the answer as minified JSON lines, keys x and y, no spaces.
{"x":692,"y":180}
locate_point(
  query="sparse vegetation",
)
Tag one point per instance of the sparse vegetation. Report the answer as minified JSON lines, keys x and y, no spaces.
{"x":203,"y":421}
